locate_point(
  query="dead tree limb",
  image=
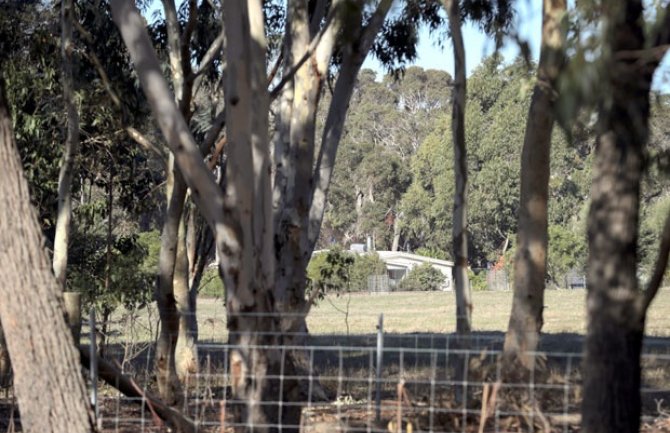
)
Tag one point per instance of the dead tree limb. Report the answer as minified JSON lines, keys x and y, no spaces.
{"x":109,"y":373}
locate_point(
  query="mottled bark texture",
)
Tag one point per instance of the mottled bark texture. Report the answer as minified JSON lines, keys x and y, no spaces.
{"x":47,"y":378}
{"x":459,"y":232}
{"x":530,"y":264}
{"x":616,"y":307}
{"x":299,"y":193}
{"x":186,"y":350}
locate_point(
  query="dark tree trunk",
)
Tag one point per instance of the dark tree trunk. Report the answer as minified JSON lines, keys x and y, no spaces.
{"x":616,"y":322}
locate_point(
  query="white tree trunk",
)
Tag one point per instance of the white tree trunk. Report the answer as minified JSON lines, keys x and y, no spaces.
{"x":169,"y":387}
{"x":460,"y":219}
{"x":186,"y":350}
{"x":64,"y":217}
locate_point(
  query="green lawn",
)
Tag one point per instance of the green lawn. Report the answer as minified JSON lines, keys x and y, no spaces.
{"x":435,"y":312}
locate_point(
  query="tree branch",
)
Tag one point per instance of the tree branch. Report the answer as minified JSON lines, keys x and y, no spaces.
{"x":209,"y":56}
{"x":204,"y":189}
{"x":275,"y":68}
{"x":133,"y":133}
{"x":332,"y":131}
{"x":213,"y":132}
{"x":308,"y":53}
{"x":115,"y":378}
{"x":659,"y":269}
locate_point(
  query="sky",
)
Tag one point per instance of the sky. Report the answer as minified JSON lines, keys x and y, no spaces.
{"x":477,"y":45}
{"x":528,"y":23}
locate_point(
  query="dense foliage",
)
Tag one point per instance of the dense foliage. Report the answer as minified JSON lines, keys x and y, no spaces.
{"x":394,"y":173}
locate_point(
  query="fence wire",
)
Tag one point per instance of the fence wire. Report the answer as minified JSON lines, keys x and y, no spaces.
{"x":427,"y":382}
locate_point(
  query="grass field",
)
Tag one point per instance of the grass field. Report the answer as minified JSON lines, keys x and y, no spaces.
{"x":565,"y":311}
{"x":406,"y":312}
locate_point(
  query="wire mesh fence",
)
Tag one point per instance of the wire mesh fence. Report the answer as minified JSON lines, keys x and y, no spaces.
{"x":371,"y":382}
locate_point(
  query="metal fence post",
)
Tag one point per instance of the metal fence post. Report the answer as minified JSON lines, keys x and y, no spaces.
{"x":93,"y":370}
{"x":380,"y":358}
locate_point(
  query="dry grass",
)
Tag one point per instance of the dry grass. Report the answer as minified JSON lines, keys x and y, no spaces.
{"x":565,"y":311}
{"x":408,"y":312}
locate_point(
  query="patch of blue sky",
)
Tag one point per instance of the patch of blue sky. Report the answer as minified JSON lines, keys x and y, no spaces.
{"x":435,"y":52}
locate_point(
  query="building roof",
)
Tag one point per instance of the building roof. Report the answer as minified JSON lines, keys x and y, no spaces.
{"x":395,"y":255}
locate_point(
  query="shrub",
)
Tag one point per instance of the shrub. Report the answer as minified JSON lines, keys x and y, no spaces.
{"x":329,"y":271}
{"x":424,"y":278}
{"x":211,"y":284}
{"x":337,"y":271}
{"x":477,"y":280}
{"x":365,"y":266}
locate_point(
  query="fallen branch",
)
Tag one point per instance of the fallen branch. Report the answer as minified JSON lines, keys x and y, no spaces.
{"x":113,"y":376}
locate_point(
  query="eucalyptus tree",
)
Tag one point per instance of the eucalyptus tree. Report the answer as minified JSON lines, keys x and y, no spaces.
{"x":47,"y":377}
{"x":617,"y":307}
{"x":192,"y":39}
{"x":67,"y":169}
{"x":459,"y":235}
{"x":530,"y":264}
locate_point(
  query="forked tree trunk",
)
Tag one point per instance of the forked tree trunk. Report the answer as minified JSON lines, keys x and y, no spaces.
{"x":169,"y":387}
{"x":616,"y":307}
{"x":47,"y":378}
{"x":530,"y":264}
{"x":173,"y":365}
{"x":186,"y":352}
{"x":299,"y":190}
{"x":244,"y":229}
{"x":460,"y":221}
{"x":294,"y":161}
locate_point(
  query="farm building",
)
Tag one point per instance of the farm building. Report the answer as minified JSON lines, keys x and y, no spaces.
{"x":398,"y":265}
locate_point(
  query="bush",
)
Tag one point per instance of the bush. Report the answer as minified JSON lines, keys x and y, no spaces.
{"x":567,"y":251}
{"x":422,"y":278}
{"x":329,"y":271}
{"x":365,"y":266}
{"x":337,"y":271}
{"x":478,"y":281}
{"x":211,"y":284}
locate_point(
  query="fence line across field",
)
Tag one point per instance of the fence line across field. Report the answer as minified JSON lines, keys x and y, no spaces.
{"x":425,"y":365}
{"x":436,"y":382}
